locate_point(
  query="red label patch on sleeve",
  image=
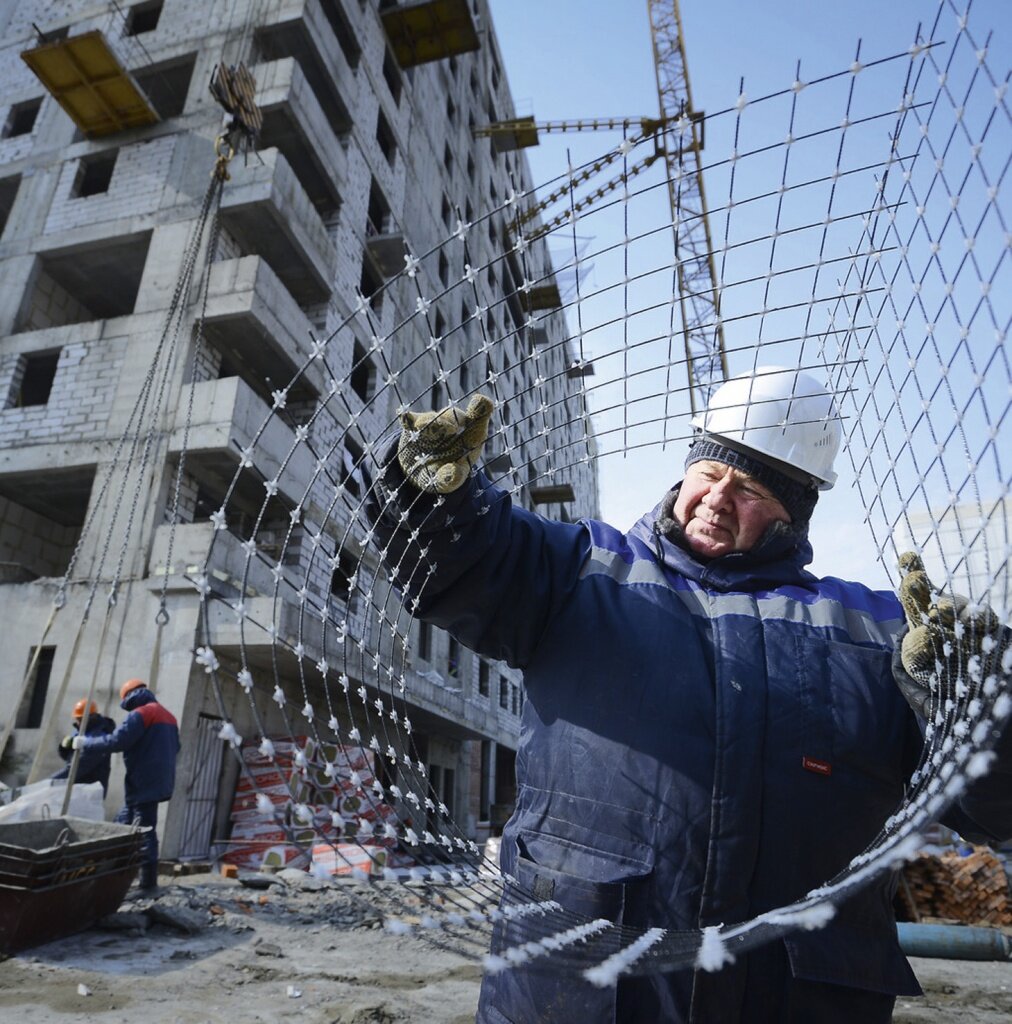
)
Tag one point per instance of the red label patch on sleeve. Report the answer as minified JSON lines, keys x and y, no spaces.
{"x":812,"y":764}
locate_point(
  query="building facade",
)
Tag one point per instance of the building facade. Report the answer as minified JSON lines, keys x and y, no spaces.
{"x":366,"y":151}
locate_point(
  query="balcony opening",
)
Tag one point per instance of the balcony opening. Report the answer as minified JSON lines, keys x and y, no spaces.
{"x":33,"y":379}
{"x":386,"y":139}
{"x":424,"y":641}
{"x":351,"y":469}
{"x":363,"y":373}
{"x":240,"y":344}
{"x":293,"y":39}
{"x":167,"y":84}
{"x":453,"y":659}
{"x":283,"y":130}
{"x":143,"y":18}
{"x":370,"y":283}
{"x":41,"y":516}
{"x":345,"y":571}
{"x":8,"y":193}
{"x":379,"y":212}
{"x":343,"y":32}
{"x":483,"y":677}
{"x":33,"y":707}
{"x":21,"y":119}
{"x":392,"y":76}
{"x":94,"y":173}
{"x":485,"y":782}
{"x":94,"y":281}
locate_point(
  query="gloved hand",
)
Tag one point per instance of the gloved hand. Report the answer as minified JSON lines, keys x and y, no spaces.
{"x":438,"y":449}
{"x":67,"y":743}
{"x":949,"y":646}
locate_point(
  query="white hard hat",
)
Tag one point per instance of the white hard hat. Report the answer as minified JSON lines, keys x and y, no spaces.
{"x":780,"y":413}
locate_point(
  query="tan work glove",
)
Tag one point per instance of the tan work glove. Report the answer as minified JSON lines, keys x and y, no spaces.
{"x":438,"y":449}
{"x":949,"y":646}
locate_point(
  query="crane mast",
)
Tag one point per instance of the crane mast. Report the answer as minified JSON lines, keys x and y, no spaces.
{"x":696,"y":278}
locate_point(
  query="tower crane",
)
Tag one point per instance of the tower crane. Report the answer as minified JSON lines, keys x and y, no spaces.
{"x":696,"y":279}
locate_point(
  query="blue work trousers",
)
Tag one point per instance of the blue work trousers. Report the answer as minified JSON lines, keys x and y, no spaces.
{"x":145,"y":815}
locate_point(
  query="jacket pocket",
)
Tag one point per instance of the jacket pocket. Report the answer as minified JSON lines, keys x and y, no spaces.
{"x":854,"y":716}
{"x":859,"y":949}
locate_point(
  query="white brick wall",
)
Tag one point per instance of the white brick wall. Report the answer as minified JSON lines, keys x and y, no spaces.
{"x":135,"y":187}
{"x":28,"y":539}
{"x":51,"y":305}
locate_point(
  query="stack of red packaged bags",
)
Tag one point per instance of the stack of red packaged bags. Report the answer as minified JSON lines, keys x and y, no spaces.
{"x":298,"y":803}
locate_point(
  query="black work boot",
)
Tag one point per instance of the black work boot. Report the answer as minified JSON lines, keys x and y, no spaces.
{"x":148,"y":880}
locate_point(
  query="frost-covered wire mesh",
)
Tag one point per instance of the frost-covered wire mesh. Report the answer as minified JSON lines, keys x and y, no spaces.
{"x":857,"y":233}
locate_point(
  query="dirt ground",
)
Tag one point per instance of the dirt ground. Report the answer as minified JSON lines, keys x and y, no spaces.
{"x":211,"y":950}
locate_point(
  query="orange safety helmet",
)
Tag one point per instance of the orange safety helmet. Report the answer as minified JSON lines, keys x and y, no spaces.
{"x":129,"y":686}
{"x":81,"y":705}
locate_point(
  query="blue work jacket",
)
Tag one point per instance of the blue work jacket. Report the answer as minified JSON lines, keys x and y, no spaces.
{"x":149,"y":740}
{"x":701,"y":742}
{"x":93,"y":765}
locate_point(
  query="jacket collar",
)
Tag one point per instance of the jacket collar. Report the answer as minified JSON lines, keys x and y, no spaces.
{"x":779,"y":557}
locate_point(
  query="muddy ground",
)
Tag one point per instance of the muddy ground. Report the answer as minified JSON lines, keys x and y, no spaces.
{"x":211,"y":950}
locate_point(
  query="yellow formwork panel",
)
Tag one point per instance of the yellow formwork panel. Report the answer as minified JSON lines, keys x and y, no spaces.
{"x":430,"y":30}
{"x":91,"y":85}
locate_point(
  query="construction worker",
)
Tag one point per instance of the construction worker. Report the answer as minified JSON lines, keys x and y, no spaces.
{"x":92,"y":765}
{"x":710,"y":731}
{"x":148,"y":738}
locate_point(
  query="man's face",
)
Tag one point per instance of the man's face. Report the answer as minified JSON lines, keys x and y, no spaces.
{"x":722,"y":509}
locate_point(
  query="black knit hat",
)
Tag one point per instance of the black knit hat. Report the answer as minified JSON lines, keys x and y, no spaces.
{"x":797,"y":498}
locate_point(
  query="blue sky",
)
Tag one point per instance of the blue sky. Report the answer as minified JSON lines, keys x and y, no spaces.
{"x":568,"y":59}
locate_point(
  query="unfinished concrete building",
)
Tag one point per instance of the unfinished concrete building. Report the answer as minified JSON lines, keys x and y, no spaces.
{"x":367,"y":144}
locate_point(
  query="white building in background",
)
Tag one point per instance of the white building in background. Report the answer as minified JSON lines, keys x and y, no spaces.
{"x":361,"y":150}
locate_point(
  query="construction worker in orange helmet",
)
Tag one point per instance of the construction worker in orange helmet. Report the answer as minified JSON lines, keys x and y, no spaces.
{"x":128,"y":687}
{"x":148,"y":739}
{"x":81,"y":705}
{"x":92,"y":765}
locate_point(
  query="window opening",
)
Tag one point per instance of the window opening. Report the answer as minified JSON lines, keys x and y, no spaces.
{"x":453,"y":659}
{"x":94,"y":173}
{"x":166,"y":85}
{"x":483,"y":677}
{"x":340,"y":580}
{"x":36,"y":379}
{"x":143,"y":18}
{"x":392,"y":76}
{"x":32,"y":707}
{"x":386,"y":138}
{"x":424,"y":641}
{"x":21,"y":119}
{"x":351,"y":468}
{"x":362,"y":372}
{"x":8,"y":193}
{"x":485,"y":785}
